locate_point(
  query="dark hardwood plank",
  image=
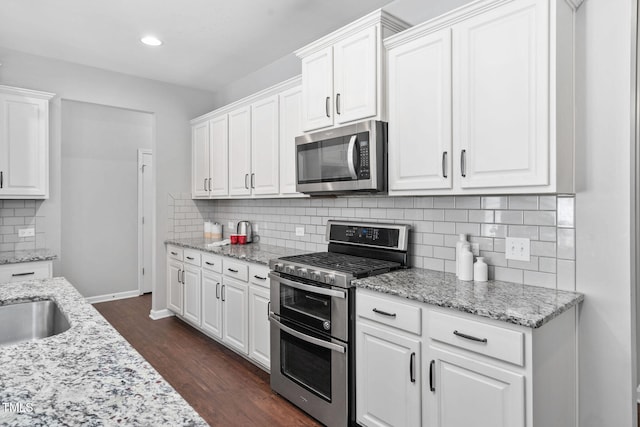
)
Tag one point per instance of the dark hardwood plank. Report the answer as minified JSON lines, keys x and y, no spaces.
{"x":224,"y":388}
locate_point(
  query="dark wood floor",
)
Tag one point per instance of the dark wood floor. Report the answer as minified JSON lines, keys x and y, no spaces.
{"x":224,"y":388}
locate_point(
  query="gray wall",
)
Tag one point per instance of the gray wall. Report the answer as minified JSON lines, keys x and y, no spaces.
{"x":99,"y":205}
{"x":173,"y":106}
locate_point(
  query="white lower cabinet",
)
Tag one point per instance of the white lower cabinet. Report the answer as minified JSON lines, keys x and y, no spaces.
{"x":174,"y":282}
{"x":469,"y":370}
{"x":259,"y":343}
{"x":26,"y":271}
{"x":235,"y":328}
{"x":211,"y":304}
{"x":192,"y":299}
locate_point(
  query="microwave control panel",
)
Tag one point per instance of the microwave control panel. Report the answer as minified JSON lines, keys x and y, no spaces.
{"x":364,"y":172}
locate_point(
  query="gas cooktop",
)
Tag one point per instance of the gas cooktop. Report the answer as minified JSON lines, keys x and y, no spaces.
{"x":356,"y":266}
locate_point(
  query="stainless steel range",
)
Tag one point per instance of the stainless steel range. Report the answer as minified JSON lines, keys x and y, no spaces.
{"x":312,"y":322}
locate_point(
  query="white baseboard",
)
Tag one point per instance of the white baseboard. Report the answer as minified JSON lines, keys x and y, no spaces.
{"x":160,"y":314}
{"x":112,"y":297}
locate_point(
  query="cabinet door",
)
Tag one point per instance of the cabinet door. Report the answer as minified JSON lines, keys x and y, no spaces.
{"x":317,"y":90}
{"x":265,"y":146}
{"x":234,"y":314}
{"x":501,"y":96}
{"x":472,"y":393}
{"x":259,"y":342}
{"x":290,"y":127}
{"x":355,"y":76}
{"x":174,"y":281}
{"x":192,"y":299}
{"x":420,"y":113}
{"x":24,"y":146}
{"x":219,"y":159}
{"x":200,"y":157}
{"x":211,"y":303}
{"x":240,"y":152}
{"x":385,"y":361}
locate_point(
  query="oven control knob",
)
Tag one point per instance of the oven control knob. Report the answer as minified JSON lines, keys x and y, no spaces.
{"x":278,"y":266}
{"x":303,"y":272}
{"x":315,"y":275}
{"x":327,"y":326}
{"x":289,"y":269}
{"x":329,"y":279}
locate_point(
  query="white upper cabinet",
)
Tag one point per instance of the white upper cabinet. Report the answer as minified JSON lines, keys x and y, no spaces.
{"x":240,"y":152}
{"x":342,"y":73}
{"x":209,"y":162}
{"x":507,"y":98}
{"x":420,"y":113}
{"x":24,"y":143}
{"x":200,"y":150}
{"x":219,"y":161}
{"x":265,"y":147}
{"x":290,"y":127}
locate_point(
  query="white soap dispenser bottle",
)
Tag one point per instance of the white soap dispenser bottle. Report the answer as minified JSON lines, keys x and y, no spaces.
{"x":480,"y":270}
{"x":462,"y":239}
{"x":465,"y":271}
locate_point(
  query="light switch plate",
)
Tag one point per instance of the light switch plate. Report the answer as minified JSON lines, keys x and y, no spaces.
{"x":26,"y":232}
{"x":517,"y":249}
{"x":231,"y":226}
{"x":299,"y":231}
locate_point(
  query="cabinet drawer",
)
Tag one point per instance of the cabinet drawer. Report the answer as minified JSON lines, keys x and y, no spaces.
{"x":259,"y":275}
{"x":239,"y":270}
{"x":390,"y":312}
{"x":479,"y":337}
{"x":175,"y":253}
{"x":192,"y":257}
{"x":25,"y":271}
{"x":212,"y":262}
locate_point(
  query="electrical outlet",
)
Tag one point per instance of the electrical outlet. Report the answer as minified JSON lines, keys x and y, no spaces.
{"x":26,"y":232}
{"x":299,"y":231}
{"x":475,"y":249}
{"x":231,"y":226}
{"x":517,"y":249}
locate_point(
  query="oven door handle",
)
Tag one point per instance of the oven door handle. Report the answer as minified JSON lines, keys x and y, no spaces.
{"x":310,"y":288}
{"x":350,"y":154}
{"x":307,"y":338}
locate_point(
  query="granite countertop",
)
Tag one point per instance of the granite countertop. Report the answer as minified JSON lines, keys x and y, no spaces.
{"x":14,"y":257}
{"x":88,"y":375}
{"x":253,"y":252}
{"x":524,"y":305}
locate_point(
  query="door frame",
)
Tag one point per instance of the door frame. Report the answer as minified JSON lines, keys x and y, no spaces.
{"x":141,"y":153}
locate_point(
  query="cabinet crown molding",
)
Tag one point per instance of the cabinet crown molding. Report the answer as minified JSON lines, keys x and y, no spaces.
{"x":272,"y":90}
{"x":26,"y":92}
{"x":378,"y":16}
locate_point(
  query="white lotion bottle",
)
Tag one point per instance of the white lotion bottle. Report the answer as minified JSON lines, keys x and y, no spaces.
{"x":480,"y":270}
{"x":465,"y":270}
{"x":462,"y":239}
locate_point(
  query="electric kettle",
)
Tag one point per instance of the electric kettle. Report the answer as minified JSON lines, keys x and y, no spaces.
{"x":244,"y":227}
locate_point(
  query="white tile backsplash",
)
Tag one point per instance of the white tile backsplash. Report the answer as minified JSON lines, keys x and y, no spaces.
{"x":435,"y":222}
{"x":18,"y":214}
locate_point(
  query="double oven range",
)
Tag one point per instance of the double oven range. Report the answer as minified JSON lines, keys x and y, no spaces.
{"x":312,"y":317}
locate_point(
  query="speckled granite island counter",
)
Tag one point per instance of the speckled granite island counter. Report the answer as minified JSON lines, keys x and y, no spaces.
{"x":15,"y":257}
{"x":88,"y":375}
{"x":252,"y":252}
{"x":529,"y":306}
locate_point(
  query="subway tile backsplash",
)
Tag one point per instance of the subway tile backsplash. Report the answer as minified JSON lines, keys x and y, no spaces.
{"x":18,"y":214}
{"x":547,"y":220}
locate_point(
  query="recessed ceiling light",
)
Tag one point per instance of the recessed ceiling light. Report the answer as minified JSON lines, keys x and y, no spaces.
{"x":151,"y":41}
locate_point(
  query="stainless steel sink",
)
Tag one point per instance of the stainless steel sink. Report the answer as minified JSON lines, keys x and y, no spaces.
{"x":31,"y":321}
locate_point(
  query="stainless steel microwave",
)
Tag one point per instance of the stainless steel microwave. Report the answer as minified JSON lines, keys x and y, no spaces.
{"x":347,"y":159}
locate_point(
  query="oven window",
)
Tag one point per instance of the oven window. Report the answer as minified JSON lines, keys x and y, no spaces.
{"x":306,"y":364}
{"x":306,"y":307}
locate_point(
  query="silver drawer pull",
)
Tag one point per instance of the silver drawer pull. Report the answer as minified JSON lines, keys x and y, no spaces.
{"x":259,"y":277}
{"x":191,"y":258}
{"x":23,"y":274}
{"x":384,"y":313}
{"x":232,"y":270}
{"x":469,"y":337}
{"x":174,"y":253}
{"x":209,"y":263}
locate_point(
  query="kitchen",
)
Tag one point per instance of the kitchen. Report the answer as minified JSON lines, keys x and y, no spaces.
{"x":604,"y":263}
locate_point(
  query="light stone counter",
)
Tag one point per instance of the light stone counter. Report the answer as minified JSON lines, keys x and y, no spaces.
{"x":86,"y":376}
{"x":524,"y":305}
{"x":14,"y":257}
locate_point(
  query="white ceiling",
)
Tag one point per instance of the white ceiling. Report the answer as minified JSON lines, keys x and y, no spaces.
{"x":207,"y":43}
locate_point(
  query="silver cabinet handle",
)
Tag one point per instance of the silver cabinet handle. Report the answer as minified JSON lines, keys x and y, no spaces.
{"x":307,"y":338}
{"x":444,"y":164}
{"x":259,"y":277}
{"x":338,"y":104}
{"x":1,"y":179}
{"x":469,"y":337}
{"x":463,"y":163}
{"x":384,"y":313}
{"x":209,"y":184}
{"x":222,"y":293}
{"x":205,"y":184}
{"x":246,"y":176}
{"x":209,"y":263}
{"x":253,"y":180}
{"x":191,"y":258}
{"x":268,"y":309}
{"x":432,"y":386}
{"x":232,"y":270}
{"x":350,"y":153}
{"x":326,"y":106}
{"x":179,"y":281}
{"x":314,"y":289}
{"x":412,"y":363}
{"x":218,"y":290}
{"x":174,"y":253}
{"x":23,"y":274}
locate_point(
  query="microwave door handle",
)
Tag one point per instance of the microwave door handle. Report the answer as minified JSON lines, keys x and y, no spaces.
{"x":350,"y":153}
{"x":308,"y":288}
{"x":307,"y":338}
